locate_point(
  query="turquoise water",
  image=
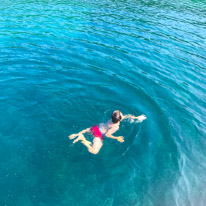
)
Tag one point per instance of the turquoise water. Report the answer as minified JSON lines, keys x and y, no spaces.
{"x":66,"y":65}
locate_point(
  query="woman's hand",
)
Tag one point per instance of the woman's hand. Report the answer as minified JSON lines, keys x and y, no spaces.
{"x":142,"y":117}
{"x":120,"y":139}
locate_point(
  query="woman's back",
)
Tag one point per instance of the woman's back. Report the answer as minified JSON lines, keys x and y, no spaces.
{"x":109,"y":127}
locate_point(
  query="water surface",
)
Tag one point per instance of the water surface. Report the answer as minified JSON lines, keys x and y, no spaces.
{"x":67,"y":64}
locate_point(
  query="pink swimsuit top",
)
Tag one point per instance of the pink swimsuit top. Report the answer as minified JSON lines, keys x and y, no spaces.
{"x":96,"y":132}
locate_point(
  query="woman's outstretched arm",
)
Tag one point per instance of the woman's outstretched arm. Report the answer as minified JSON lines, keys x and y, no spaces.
{"x":113,"y":130}
{"x":119,"y":138}
{"x":129,"y":116}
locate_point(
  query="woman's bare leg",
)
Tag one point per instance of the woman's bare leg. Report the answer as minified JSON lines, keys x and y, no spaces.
{"x":97,"y":143}
{"x":72,"y":136}
{"x":82,"y":138}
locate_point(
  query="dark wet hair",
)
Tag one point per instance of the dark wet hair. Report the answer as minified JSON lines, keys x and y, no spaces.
{"x":116,"y":116}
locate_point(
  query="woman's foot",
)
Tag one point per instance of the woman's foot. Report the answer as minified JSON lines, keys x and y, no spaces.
{"x":72,"y":136}
{"x":81,"y":137}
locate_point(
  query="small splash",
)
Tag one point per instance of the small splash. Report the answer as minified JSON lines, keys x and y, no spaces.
{"x":135,"y":121}
{"x":140,"y":119}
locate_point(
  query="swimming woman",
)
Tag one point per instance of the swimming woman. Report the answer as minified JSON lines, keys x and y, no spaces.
{"x":103,"y":130}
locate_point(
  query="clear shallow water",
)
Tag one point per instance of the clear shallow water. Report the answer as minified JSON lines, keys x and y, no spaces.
{"x":65,"y":65}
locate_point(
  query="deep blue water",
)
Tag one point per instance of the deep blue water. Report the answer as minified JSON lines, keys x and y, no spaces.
{"x":66,"y":65}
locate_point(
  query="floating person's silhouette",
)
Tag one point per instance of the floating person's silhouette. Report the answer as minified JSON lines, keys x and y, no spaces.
{"x":104,"y":130}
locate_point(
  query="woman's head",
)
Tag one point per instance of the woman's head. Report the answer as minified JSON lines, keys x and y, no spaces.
{"x":117,"y":116}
